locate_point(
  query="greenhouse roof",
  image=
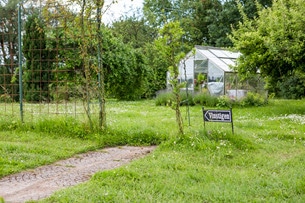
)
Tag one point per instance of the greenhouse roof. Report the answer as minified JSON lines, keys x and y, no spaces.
{"x":220,"y":57}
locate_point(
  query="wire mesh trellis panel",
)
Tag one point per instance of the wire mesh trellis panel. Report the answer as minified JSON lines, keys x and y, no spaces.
{"x":59,"y":61}
{"x":8,"y":61}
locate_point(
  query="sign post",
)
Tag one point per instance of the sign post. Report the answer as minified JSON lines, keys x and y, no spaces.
{"x":224,"y":116}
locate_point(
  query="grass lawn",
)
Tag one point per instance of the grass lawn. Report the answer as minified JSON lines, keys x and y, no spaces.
{"x":262,"y":162}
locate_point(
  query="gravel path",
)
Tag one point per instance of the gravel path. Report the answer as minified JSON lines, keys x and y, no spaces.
{"x":41,"y":182}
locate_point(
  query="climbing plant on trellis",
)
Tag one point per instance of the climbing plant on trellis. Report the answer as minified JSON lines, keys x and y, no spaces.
{"x":55,"y":66}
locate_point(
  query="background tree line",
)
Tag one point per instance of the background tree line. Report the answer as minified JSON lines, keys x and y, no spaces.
{"x":134,"y":67}
{"x":8,"y":47}
{"x":205,"y":22}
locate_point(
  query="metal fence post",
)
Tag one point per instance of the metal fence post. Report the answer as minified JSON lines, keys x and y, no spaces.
{"x":20,"y":62}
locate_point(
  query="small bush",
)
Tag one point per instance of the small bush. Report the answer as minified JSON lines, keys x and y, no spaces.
{"x":293,"y":87}
{"x":167,"y":98}
{"x":253,"y":99}
{"x":205,"y":99}
{"x":224,"y":101}
{"x":164,"y":99}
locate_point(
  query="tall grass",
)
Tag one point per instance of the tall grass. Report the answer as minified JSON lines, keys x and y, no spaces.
{"x":262,"y":162}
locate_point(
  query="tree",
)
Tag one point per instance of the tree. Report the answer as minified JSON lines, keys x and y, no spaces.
{"x":202,"y":20}
{"x":169,"y":45}
{"x":250,"y":6}
{"x":125,"y":68}
{"x":101,"y":73}
{"x":273,"y":43}
{"x":206,"y":22}
{"x":134,"y":31}
{"x":158,"y":13}
{"x":37,"y":73}
{"x":8,"y":48}
{"x":158,"y":68}
{"x":222,"y":19}
{"x":79,"y":40}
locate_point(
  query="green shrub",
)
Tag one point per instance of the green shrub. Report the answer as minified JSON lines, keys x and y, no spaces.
{"x":167,"y":98}
{"x":164,"y":99}
{"x":224,"y":101}
{"x":293,"y":87}
{"x":253,"y":99}
{"x":205,"y":99}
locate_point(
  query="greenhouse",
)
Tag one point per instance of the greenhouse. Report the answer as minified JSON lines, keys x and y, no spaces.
{"x":210,"y":69}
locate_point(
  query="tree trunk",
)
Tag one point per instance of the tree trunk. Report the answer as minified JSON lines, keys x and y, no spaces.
{"x":178,"y":115}
{"x":101,"y":85}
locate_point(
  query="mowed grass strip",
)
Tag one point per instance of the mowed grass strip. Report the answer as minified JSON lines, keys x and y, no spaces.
{"x":185,"y":175}
{"x":24,"y":150}
{"x":262,"y":162}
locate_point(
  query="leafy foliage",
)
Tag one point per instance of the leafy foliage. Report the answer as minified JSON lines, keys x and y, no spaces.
{"x":223,"y":18}
{"x":272,"y":43}
{"x":134,"y":31}
{"x":202,"y":20}
{"x":167,"y":99}
{"x":125,"y":68}
{"x":227,"y":16}
{"x":37,"y":74}
{"x":169,"y":46}
{"x":207,"y":22}
{"x":8,"y":50}
{"x":140,"y":36}
{"x":158,"y":67}
{"x":78,"y":43}
{"x":252,"y":99}
{"x":205,"y":99}
{"x":293,"y":87}
{"x":164,"y":99}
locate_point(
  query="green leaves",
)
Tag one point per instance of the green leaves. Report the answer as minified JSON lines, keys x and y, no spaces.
{"x":274,"y":42}
{"x":169,"y":45}
{"x":37,"y":74}
{"x":125,"y":68}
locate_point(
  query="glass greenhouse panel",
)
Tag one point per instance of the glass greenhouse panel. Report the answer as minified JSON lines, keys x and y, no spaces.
{"x":212,"y":68}
{"x":201,"y":66}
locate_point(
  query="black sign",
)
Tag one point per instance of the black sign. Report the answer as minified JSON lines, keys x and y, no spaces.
{"x":217,"y":115}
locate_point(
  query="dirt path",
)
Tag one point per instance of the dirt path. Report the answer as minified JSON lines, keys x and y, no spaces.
{"x":43,"y":181}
